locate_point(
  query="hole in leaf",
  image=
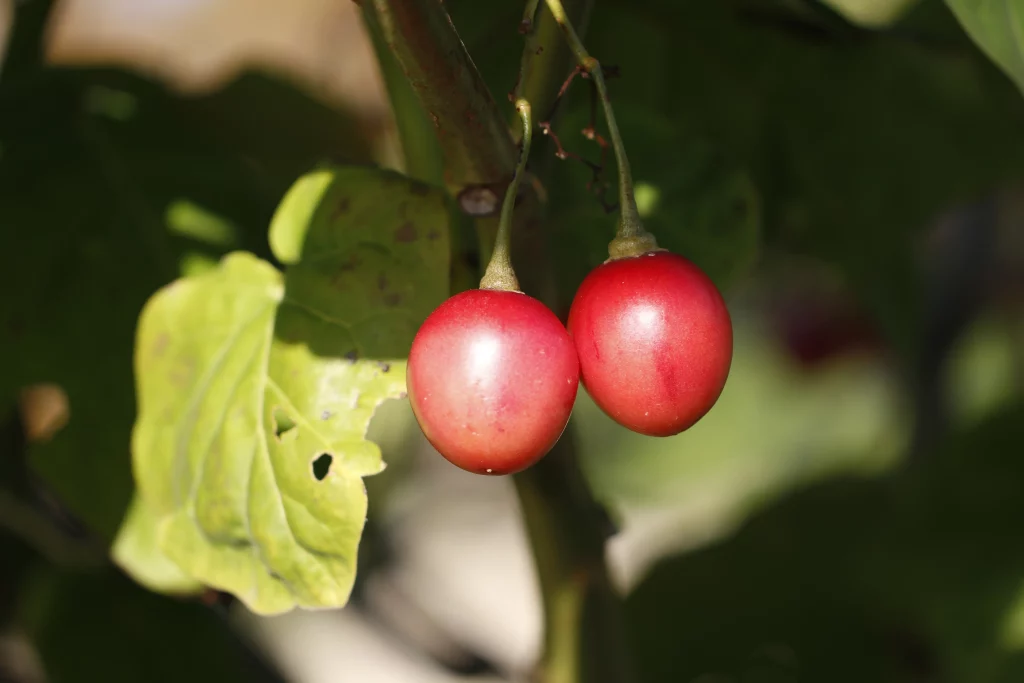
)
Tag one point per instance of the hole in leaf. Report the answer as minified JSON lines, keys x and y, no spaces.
{"x":322,"y":465}
{"x":282,"y":423}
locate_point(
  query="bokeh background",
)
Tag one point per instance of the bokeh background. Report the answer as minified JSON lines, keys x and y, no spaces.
{"x":849,"y":173}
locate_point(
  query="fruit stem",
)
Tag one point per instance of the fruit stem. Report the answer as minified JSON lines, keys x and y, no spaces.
{"x":499,"y":273}
{"x":631,"y":238}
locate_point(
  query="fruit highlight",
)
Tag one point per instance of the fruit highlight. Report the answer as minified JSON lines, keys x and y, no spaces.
{"x":654,"y":339}
{"x":493,"y":376}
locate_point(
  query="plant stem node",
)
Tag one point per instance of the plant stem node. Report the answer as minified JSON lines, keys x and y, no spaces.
{"x":625,"y":246}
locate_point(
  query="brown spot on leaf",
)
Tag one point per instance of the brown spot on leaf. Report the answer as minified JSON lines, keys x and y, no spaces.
{"x":181,"y":374}
{"x":382,"y":282}
{"x":384,"y":367}
{"x":406,"y":233}
{"x":341,"y":208}
{"x":160,"y":345}
{"x":433,"y":235}
{"x":392,"y":299}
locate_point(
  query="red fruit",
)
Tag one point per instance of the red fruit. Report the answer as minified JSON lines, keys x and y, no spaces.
{"x":654,"y":340}
{"x":492,"y":378}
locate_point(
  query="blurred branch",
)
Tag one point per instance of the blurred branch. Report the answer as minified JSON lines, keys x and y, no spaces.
{"x":25,"y":522}
{"x":25,"y":42}
{"x":26,"y":514}
{"x":958,"y":268}
{"x":568,"y":529}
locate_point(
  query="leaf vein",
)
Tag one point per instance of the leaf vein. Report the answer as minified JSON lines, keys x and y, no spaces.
{"x":191,"y":414}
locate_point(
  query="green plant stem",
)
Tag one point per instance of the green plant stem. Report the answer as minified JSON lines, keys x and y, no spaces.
{"x":420,"y":148}
{"x":546,"y":55}
{"x":568,"y":530}
{"x":500,"y":274}
{"x":475,"y":142}
{"x":631,"y":237}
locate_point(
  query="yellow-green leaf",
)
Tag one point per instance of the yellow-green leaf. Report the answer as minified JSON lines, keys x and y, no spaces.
{"x":137,"y":552}
{"x":256,"y":389}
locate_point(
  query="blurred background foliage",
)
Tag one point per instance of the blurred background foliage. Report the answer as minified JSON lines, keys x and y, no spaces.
{"x":848,"y":172}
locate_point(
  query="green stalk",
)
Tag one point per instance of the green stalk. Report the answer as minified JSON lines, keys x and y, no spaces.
{"x":546,"y":56}
{"x":474,"y":137}
{"x":500,"y":274}
{"x":631,"y":238}
{"x":568,"y":529}
{"x":420,"y":148}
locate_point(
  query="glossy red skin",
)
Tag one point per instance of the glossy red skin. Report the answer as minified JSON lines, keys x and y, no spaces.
{"x":654,"y":339}
{"x":492,"y":379}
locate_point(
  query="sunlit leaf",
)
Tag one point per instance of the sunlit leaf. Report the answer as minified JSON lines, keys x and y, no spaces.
{"x":256,"y":390}
{"x":136,"y":551}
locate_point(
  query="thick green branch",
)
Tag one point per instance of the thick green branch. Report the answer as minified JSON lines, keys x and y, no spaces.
{"x":474,"y":137}
{"x":583,"y":641}
{"x":419,"y":145}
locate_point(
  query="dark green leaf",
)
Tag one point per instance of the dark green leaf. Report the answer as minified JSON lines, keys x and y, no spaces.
{"x":918,"y":575}
{"x":102,"y":627}
{"x":109,"y":187}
